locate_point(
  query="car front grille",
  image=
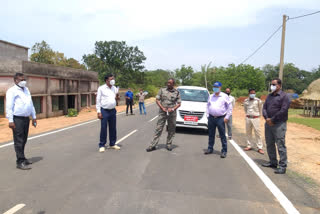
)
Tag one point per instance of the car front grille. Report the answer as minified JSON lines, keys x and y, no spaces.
{"x":191,"y":113}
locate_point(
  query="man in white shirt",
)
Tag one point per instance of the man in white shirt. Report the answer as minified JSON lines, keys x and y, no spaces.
{"x":106,"y":103}
{"x":19,"y":107}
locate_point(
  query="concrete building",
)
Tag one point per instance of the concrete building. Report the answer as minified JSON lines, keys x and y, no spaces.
{"x":54,"y":89}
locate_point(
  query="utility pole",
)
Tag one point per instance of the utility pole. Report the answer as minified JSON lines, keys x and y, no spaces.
{"x":282,"y":46}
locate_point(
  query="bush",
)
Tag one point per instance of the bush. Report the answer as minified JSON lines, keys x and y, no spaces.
{"x":239,"y":93}
{"x":72,"y":112}
{"x":152,"y":90}
{"x":260,"y":93}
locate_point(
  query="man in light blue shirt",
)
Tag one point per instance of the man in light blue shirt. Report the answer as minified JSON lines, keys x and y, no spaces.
{"x":19,"y":107}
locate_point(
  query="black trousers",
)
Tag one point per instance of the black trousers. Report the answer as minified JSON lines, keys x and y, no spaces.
{"x":20,"y":136}
{"x":129,"y":103}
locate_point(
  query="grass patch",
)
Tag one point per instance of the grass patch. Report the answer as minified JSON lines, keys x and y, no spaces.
{"x":311,"y":122}
{"x":292,"y":111}
{"x":302,"y":177}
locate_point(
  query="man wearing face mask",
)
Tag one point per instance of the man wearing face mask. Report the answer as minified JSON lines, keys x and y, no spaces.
{"x":275,"y":112}
{"x":253,"y":110}
{"x":168,"y":100}
{"x":219,"y":110}
{"x":19,"y":107}
{"x":106,"y":103}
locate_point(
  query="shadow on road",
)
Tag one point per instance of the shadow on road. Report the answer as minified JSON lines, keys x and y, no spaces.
{"x":36,"y":159}
{"x":190,"y":131}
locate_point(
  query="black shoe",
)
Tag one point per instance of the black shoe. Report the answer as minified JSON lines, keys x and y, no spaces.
{"x":230,"y":137}
{"x":169,"y":148}
{"x":280,"y":170}
{"x":150,"y":148}
{"x":23,"y":166}
{"x":269,"y":165}
{"x":223,"y":155}
{"x":27,"y":162}
{"x":208,"y":151}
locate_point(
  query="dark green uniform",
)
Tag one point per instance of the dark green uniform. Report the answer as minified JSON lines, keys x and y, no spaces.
{"x":168,"y":99}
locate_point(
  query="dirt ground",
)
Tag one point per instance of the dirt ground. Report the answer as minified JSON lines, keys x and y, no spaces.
{"x":53,"y":123}
{"x":303,"y":145}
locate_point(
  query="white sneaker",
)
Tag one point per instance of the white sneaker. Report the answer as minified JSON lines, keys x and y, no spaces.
{"x":114,"y":147}
{"x":102,"y":149}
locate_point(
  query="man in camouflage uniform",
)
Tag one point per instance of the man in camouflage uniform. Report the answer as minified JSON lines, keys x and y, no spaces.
{"x":168,"y":100}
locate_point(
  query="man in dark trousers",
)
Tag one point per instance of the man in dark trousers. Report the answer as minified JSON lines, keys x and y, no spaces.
{"x":106,"y":104}
{"x":275,"y":112}
{"x":19,"y":107}
{"x":129,"y":100}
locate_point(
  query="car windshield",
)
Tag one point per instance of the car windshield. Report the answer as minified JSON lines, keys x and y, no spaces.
{"x":194,"y":95}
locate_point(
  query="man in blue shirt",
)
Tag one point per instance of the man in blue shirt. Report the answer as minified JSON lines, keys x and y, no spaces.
{"x":19,"y":107}
{"x":129,"y":100}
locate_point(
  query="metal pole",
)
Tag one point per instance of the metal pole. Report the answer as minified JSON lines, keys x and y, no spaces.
{"x":282,"y":47}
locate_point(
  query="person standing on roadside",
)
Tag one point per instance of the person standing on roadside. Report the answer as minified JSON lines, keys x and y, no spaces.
{"x":275,"y":112}
{"x":229,"y":123}
{"x":253,"y":110}
{"x":168,"y":100}
{"x":141,"y":95}
{"x":19,"y":107}
{"x":219,"y":110}
{"x":129,"y":100}
{"x":106,"y":104}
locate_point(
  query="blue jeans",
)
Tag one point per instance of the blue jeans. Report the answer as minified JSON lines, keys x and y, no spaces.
{"x":109,"y":118}
{"x":141,"y":105}
{"x":214,"y":123}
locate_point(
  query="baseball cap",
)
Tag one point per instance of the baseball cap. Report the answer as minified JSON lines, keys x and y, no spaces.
{"x":217,"y":84}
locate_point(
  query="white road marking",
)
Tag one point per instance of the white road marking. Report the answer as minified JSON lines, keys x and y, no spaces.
{"x":60,"y":130}
{"x":154,"y":118}
{"x":284,"y":201}
{"x":122,"y":139}
{"x":15,"y":209}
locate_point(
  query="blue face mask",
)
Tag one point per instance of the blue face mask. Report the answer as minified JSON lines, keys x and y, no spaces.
{"x":252,"y":96}
{"x":216,"y":90}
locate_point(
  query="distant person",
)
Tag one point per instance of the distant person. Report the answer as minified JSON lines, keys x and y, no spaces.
{"x":141,"y":95}
{"x":106,"y":103}
{"x":19,"y":107}
{"x":253,"y":110}
{"x":275,"y":111}
{"x":219,"y":110}
{"x":229,"y":123}
{"x":129,"y":100}
{"x":168,"y":100}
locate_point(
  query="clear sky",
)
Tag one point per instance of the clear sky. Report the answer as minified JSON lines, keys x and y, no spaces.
{"x":170,"y":32}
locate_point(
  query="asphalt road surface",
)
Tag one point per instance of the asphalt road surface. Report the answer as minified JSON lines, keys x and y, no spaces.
{"x":70,"y":175}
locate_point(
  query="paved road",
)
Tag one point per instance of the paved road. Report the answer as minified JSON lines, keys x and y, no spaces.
{"x":70,"y":176}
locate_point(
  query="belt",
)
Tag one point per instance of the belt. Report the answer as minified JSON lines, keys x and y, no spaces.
{"x":22,"y":117}
{"x":251,"y":116}
{"x":217,"y":116}
{"x":108,"y":109}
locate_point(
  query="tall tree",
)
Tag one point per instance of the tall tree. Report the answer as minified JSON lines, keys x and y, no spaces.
{"x":184,"y":74}
{"x":41,"y":52}
{"x":117,"y":57}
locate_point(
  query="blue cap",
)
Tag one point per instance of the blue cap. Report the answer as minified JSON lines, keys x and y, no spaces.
{"x":217,"y":84}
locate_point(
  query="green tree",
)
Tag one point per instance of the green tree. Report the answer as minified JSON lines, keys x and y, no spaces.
{"x":42,"y":53}
{"x":124,"y":61}
{"x":184,"y":74}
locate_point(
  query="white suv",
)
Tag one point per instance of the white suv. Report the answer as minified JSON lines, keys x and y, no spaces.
{"x":192,"y":112}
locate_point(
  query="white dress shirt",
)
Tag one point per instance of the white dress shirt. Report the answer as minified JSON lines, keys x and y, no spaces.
{"x":106,"y":97}
{"x":19,"y":103}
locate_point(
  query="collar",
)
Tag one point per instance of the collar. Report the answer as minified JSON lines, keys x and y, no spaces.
{"x":172,"y":90}
{"x":277,"y":94}
{"x":17,"y":87}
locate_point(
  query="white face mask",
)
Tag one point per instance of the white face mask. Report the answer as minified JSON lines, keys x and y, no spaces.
{"x":22,"y":84}
{"x":273,"y":88}
{"x":252,"y":96}
{"x":112,"y":82}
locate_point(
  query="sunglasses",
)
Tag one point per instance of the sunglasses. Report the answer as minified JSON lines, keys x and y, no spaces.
{"x":273,"y":84}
